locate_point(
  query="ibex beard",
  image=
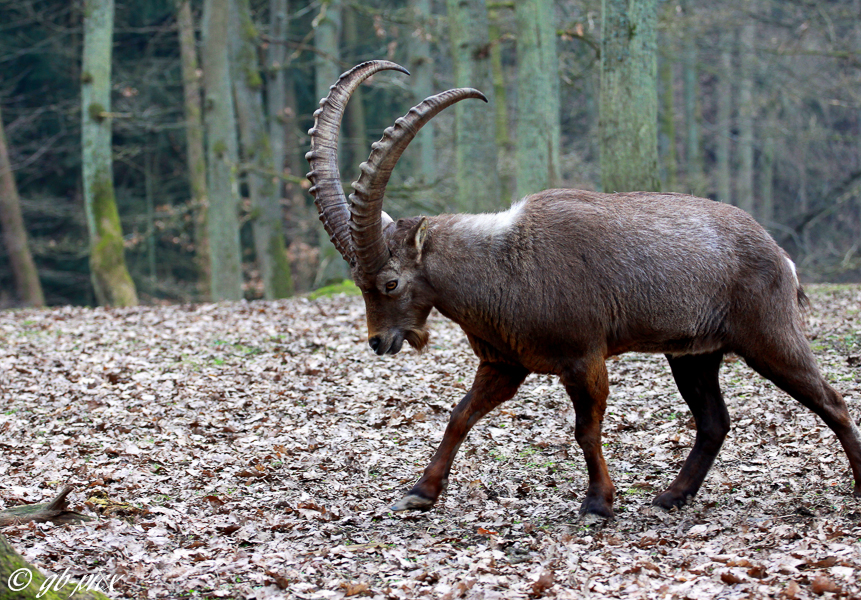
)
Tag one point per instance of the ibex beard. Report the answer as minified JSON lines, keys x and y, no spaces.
{"x":418,"y":338}
{"x":562,"y":281}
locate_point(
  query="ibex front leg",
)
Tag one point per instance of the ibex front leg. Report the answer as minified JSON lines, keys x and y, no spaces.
{"x":494,"y":384}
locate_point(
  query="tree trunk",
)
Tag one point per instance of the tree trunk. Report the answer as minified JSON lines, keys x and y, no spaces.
{"x":357,"y":144}
{"x":537,"y":150}
{"x":327,"y":31}
{"x":283,"y":126}
{"x":421,"y":67}
{"x":257,"y":154}
{"x":503,"y":139}
{"x":724,"y":118}
{"x":221,"y":156}
{"x":327,"y":69}
{"x":150,"y":177}
{"x":690,"y":90}
{"x":295,"y":160}
{"x":27,"y":284}
{"x":668,"y":125}
{"x":477,"y":175}
{"x":111,"y":280}
{"x":765,"y":170}
{"x":276,"y":84}
{"x":195,"y":155}
{"x":745,"y":179}
{"x":505,"y":148}
{"x":629,"y":100}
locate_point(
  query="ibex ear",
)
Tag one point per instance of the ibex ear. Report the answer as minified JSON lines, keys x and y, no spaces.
{"x":419,"y":235}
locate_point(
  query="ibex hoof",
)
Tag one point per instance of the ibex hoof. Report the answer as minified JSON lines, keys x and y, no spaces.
{"x":413,"y":502}
{"x":597,"y":507}
{"x":670,"y":500}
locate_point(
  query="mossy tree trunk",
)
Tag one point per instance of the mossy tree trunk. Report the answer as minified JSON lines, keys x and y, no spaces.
{"x":477,"y":173}
{"x":195,"y":154}
{"x":111,"y":280}
{"x":629,"y":100}
{"x":263,"y":190}
{"x":538,"y":130}
{"x":221,"y":156}
{"x":27,"y":284}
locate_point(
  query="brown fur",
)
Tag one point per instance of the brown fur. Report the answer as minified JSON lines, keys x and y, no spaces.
{"x":575,"y":277}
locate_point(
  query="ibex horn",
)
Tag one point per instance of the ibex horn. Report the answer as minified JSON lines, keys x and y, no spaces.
{"x":366,"y":202}
{"x":325,"y":175}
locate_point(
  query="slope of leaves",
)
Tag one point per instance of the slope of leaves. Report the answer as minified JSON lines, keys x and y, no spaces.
{"x":251,"y":450}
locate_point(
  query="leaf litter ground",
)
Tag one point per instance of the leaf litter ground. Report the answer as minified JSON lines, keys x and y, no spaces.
{"x":251,"y":450}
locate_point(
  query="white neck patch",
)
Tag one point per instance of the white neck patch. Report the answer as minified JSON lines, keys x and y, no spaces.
{"x":490,"y":224}
{"x":794,"y":272}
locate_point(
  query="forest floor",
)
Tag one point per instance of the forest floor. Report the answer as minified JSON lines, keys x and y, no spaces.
{"x":251,"y":450}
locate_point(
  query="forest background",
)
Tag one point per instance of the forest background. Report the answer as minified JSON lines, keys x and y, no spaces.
{"x":758,"y":103}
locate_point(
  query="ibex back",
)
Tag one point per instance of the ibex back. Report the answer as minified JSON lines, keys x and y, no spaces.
{"x":563,"y":280}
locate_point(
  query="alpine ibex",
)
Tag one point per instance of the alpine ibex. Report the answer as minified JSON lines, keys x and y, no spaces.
{"x":563,"y":280}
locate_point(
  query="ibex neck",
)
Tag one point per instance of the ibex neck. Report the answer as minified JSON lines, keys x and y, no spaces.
{"x":468,"y":263}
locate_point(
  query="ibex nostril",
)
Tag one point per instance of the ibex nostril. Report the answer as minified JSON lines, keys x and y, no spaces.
{"x":374,"y":342}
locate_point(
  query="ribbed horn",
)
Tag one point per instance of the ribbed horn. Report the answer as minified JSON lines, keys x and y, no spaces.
{"x":366,"y":202}
{"x":325,"y":174}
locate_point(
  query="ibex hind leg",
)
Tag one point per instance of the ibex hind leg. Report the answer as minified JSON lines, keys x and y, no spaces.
{"x":588,"y":387}
{"x":790,"y":364}
{"x":697,"y":379}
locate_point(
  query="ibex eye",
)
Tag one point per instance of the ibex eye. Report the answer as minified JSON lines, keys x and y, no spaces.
{"x":391,"y":285}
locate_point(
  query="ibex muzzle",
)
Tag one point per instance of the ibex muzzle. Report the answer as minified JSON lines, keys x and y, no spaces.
{"x":563,"y":280}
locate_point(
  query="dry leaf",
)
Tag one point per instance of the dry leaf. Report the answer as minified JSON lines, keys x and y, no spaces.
{"x":354,"y":589}
{"x":821,"y":584}
{"x":544,"y":583}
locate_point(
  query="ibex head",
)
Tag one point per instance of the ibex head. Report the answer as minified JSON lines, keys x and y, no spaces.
{"x":385,"y":257}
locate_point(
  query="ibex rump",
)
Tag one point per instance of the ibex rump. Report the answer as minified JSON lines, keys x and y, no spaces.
{"x":563,"y":280}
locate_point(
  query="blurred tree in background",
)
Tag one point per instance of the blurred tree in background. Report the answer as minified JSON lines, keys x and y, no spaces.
{"x":757,"y":101}
{"x":112,"y":283}
{"x":28,"y":288}
{"x":629,"y":100}
{"x":222,"y":153}
{"x":538,"y":134}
